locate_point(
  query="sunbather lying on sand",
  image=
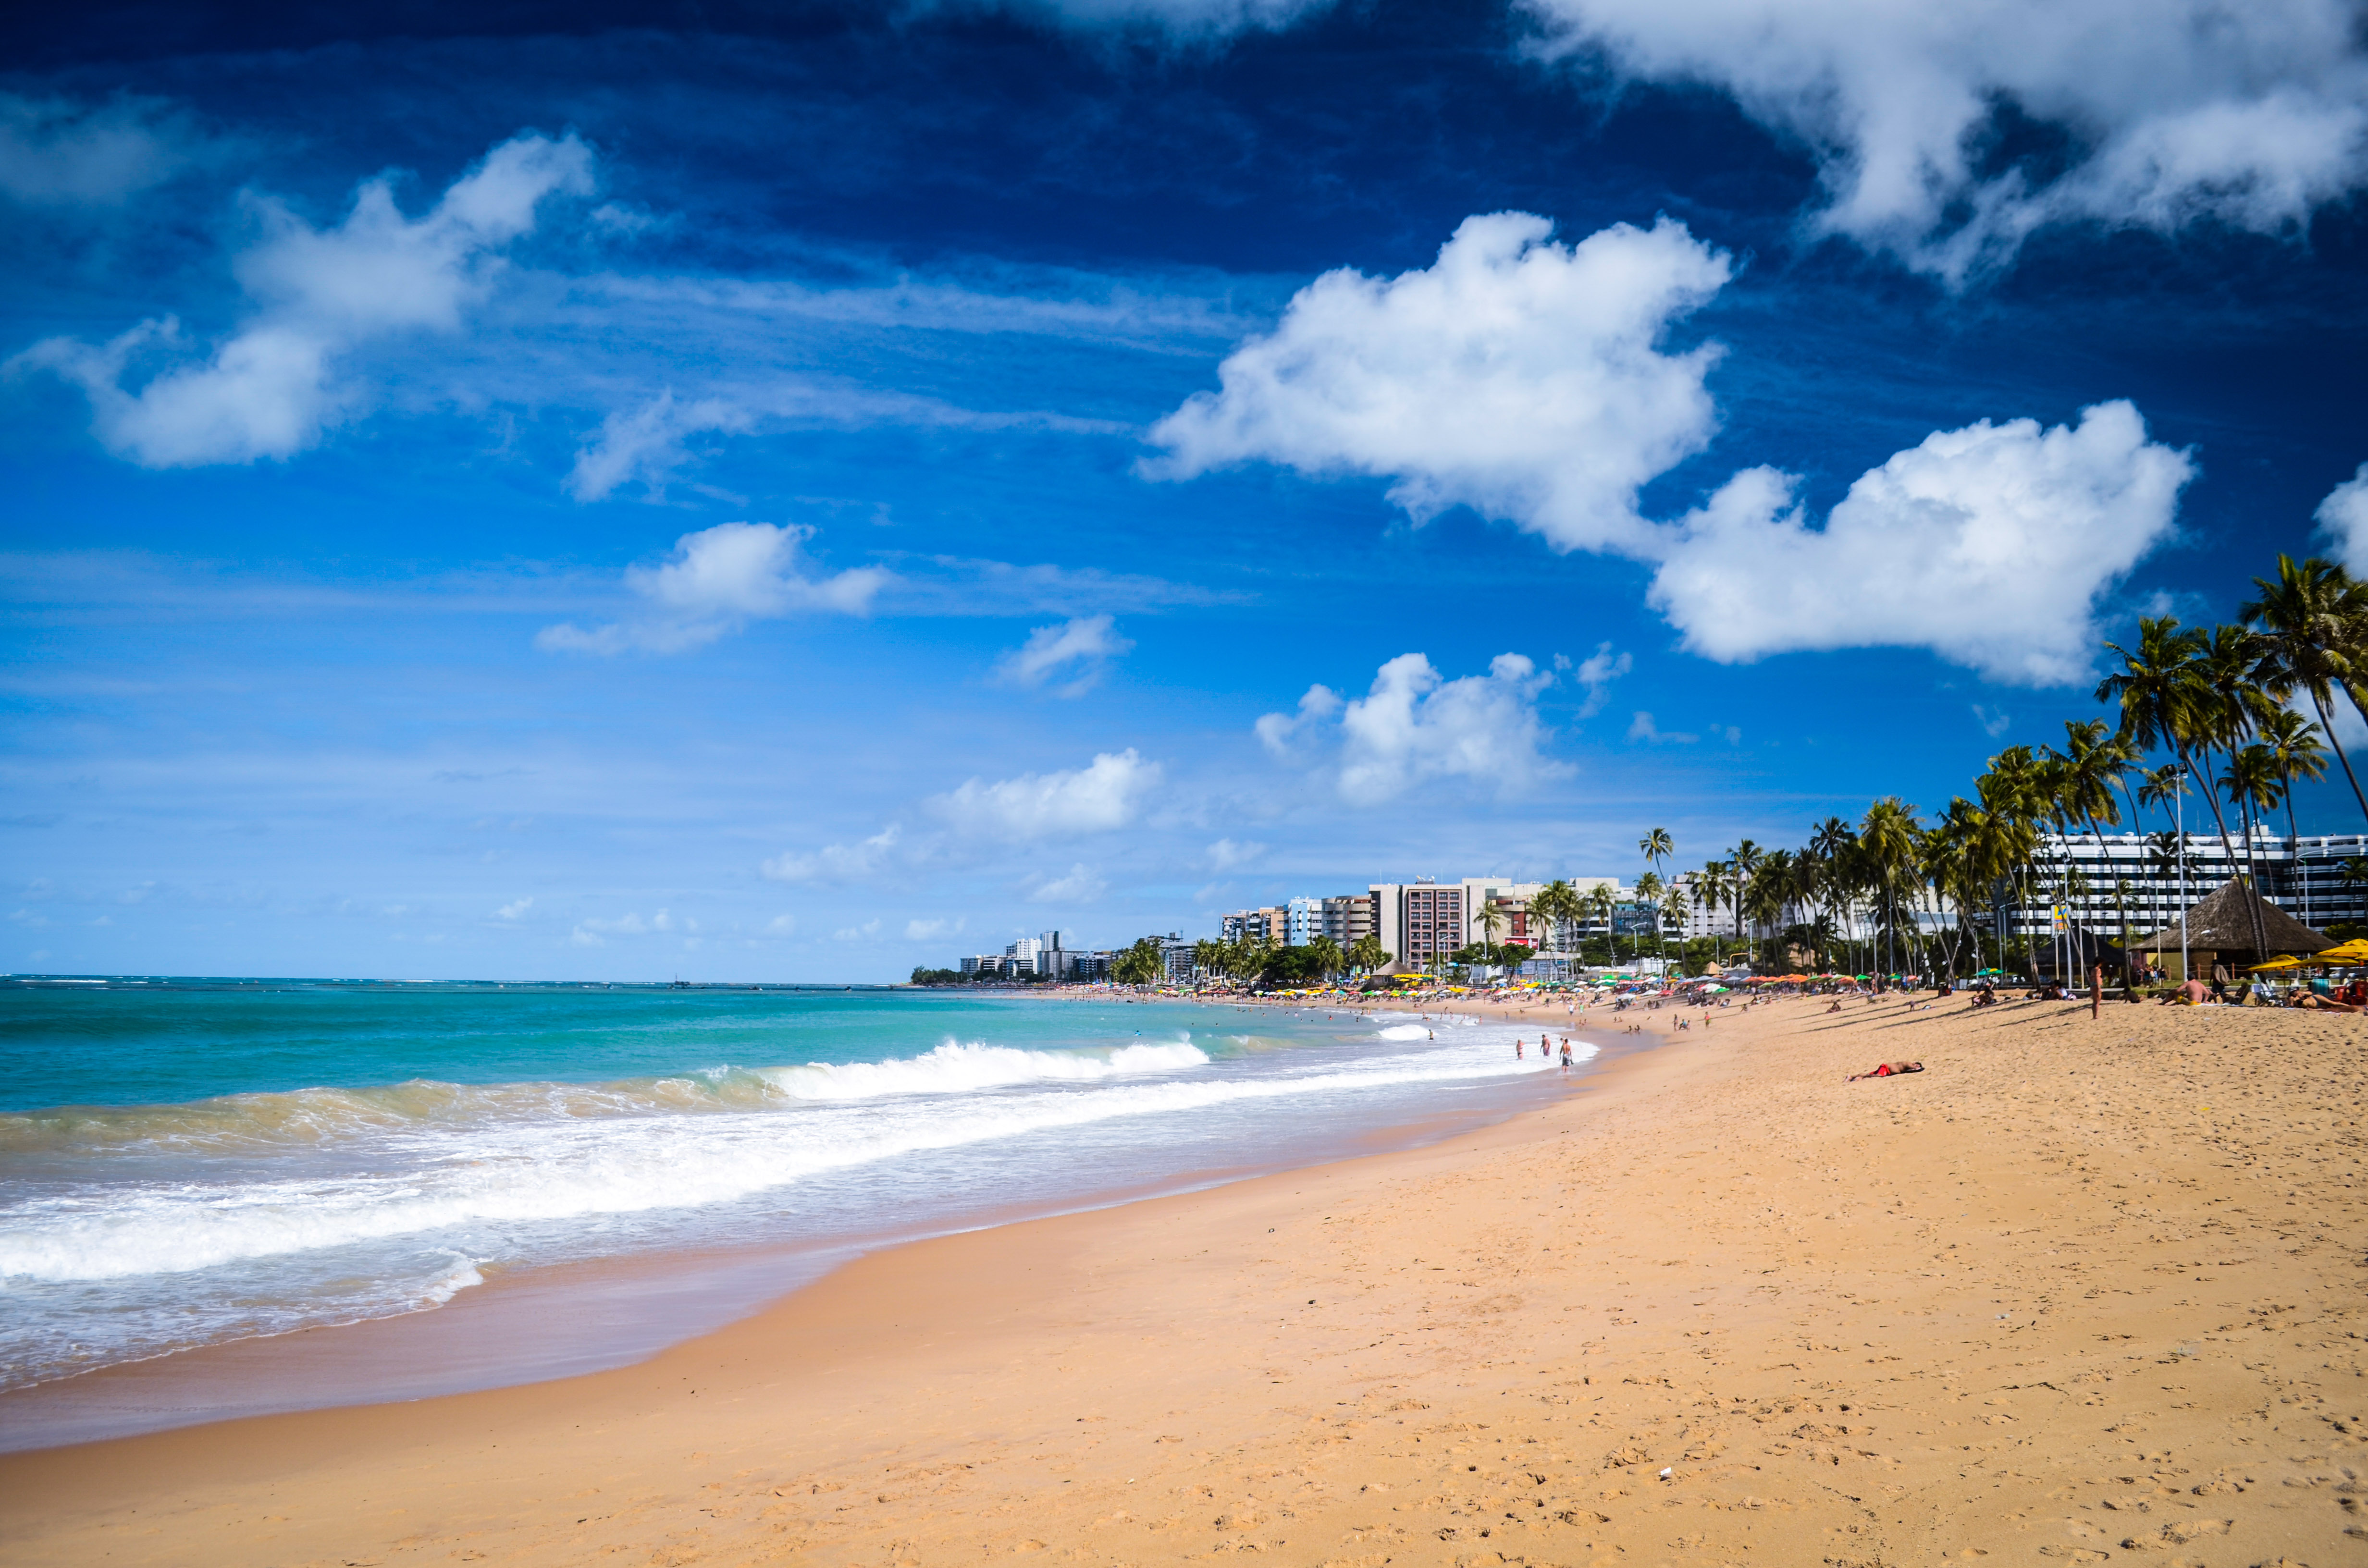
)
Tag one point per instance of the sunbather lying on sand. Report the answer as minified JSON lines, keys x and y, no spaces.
{"x":1886,"y":1070}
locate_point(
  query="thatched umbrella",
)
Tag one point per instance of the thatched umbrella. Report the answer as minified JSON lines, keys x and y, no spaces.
{"x":2222,"y":926}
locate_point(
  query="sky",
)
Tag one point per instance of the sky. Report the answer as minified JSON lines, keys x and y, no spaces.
{"x":795,"y":492}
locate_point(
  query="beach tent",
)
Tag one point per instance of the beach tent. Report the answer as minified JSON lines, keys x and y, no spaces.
{"x":2219,"y":928}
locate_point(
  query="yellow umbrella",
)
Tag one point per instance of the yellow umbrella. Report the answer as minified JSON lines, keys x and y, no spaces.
{"x":2276,"y":963}
{"x":2354,"y":951}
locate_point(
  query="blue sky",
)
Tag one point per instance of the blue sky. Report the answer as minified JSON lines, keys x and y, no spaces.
{"x":799,"y":491}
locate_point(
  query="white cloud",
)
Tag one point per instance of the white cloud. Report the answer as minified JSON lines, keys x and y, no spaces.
{"x":270,"y":389}
{"x":1993,"y":721}
{"x":512,"y":910}
{"x":54,"y":153}
{"x":1989,"y":545}
{"x":929,"y":930}
{"x":780,"y":925}
{"x":1642,"y":728}
{"x":1096,"y":799}
{"x":1414,"y":725}
{"x":864,"y":932}
{"x":1079,"y":886}
{"x":645,"y":444}
{"x":1516,"y":376}
{"x":2343,"y":519}
{"x":718,"y":580}
{"x":837,"y":862}
{"x":1596,"y":673}
{"x":1082,"y":647}
{"x":2169,"y":110}
{"x":1224,"y":855}
{"x":594,"y":932}
{"x":1279,"y":733}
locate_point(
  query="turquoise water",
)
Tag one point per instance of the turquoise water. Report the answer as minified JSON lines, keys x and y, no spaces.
{"x":188,"y":1163}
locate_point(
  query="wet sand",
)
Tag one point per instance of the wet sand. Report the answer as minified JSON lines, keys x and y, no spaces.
{"x":2083,"y":1291}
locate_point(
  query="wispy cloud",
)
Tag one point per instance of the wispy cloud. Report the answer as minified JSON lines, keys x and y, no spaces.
{"x":269,"y":389}
{"x":1642,"y":728}
{"x":837,"y":862}
{"x":1076,"y":651}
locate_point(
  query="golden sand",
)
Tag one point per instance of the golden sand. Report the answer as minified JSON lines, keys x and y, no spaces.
{"x":2083,"y":1291}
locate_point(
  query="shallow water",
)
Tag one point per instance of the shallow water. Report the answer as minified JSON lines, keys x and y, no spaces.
{"x":185,"y":1164}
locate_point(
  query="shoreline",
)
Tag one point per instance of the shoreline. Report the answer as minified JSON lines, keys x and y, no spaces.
{"x":2082,"y":1289}
{"x":456,"y":1348}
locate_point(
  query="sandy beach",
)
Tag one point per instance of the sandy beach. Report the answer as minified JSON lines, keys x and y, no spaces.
{"x":2084,"y":1290}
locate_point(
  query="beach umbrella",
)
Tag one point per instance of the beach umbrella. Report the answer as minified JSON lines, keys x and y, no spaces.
{"x":2276,"y":963}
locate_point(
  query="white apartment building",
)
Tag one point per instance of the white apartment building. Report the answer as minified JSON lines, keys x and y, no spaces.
{"x":2309,"y":877}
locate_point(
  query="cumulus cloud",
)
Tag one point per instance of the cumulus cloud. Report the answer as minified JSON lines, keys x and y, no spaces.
{"x":717,"y":580}
{"x":1078,"y":650}
{"x":57,"y":153}
{"x":1517,"y":377}
{"x":271,"y":388}
{"x":929,"y":930}
{"x":1281,"y":733}
{"x":1521,"y":379}
{"x":835,"y":862}
{"x":864,"y":932}
{"x":1079,"y":886}
{"x":1989,"y":545}
{"x":2343,"y":520}
{"x":1415,"y":725}
{"x":1596,"y":673}
{"x":2162,"y":113}
{"x":512,"y":910}
{"x":1107,"y":794}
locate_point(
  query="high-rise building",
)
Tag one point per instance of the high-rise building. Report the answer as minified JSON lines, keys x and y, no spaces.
{"x":1348,"y":917}
{"x":1419,"y":922}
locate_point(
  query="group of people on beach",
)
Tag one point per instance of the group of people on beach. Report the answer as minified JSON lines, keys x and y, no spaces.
{"x":1545,"y":1050}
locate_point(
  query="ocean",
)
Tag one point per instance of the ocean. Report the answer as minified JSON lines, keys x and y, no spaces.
{"x":187,"y":1163}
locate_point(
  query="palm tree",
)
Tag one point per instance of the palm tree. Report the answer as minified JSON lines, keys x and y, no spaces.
{"x":1490,"y":920}
{"x":2094,"y":763}
{"x":2309,"y":621}
{"x":1602,"y":904}
{"x":1673,"y":912}
{"x":2292,"y":741}
{"x":1648,"y":894}
{"x":1744,"y":859}
{"x":2251,"y":781}
{"x":1367,"y":953}
{"x":1888,"y":834}
{"x":1656,"y":846}
{"x":1555,"y":905}
{"x":1711,"y":886}
{"x":2167,"y":698}
{"x":1329,"y":959}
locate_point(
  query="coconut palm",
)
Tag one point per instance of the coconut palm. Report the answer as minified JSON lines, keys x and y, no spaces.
{"x":2095,"y":762}
{"x":2293,"y":740}
{"x":1601,"y":903}
{"x":1556,"y":905}
{"x":1366,"y":953}
{"x":2167,"y":697}
{"x":1656,"y":846}
{"x":1648,"y":894}
{"x":1329,"y":959}
{"x":1673,"y":912}
{"x":1888,"y":834}
{"x":1744,"y":860}
{"x":2310,"y":624}
{"x":1711,"y":886}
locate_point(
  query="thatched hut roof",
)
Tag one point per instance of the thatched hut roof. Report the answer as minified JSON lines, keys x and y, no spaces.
{"x":2219,"y":924}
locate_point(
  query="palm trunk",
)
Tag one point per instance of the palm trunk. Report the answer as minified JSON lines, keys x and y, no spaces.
{"x":2219,"y":821}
